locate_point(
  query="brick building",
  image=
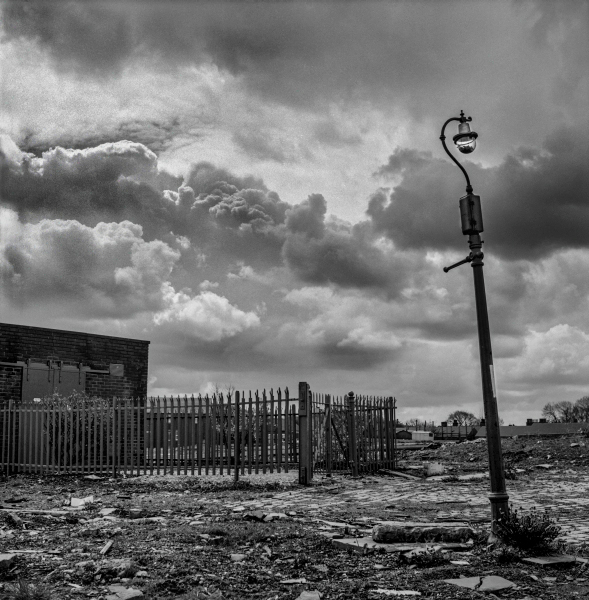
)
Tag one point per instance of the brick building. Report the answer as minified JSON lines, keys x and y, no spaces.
{"x":36,"y":361}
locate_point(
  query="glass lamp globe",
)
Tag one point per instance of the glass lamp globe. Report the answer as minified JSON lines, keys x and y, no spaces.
{"x":465,"y":140}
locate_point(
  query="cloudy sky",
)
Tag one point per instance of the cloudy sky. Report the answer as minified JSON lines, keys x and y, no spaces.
{"x":259,"y":189}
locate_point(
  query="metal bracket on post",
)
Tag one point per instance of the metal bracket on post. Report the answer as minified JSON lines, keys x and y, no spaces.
{"x":460,"y":262}
{"x":305,"y":419}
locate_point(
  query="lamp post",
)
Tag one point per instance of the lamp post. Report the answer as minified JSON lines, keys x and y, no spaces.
{"x":472,"y":225}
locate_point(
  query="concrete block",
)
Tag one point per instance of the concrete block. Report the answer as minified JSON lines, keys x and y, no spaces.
{"x":366,"y":545}
{"x":399,"y":532}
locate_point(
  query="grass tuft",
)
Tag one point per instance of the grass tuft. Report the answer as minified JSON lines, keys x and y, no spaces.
{"x":528,"y":531}
{"x":28,"y":591}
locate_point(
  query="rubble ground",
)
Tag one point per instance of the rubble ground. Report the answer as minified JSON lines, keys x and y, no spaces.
{"x":188,"y":538}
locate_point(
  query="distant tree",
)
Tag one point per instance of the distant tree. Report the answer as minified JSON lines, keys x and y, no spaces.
{"x":463,"y":417}
{"x":565,"y":411}
{"x":550,"y":413}
{"x":582,"y":408}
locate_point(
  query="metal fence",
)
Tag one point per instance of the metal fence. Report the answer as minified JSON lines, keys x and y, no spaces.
{"x":229,"y":434}
{"x":353,"y":433}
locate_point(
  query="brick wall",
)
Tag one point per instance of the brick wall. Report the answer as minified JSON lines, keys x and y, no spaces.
{"x":21,"y":342}
{"x":10,"y":383}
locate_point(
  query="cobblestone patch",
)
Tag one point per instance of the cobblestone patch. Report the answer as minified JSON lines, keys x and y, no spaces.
{"x":566,"y":496}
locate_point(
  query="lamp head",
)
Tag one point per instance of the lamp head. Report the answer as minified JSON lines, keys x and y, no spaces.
{"x":465,"y":139}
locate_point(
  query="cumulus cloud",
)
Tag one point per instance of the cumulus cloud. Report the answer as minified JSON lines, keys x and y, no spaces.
{"x":108,"y":269}
{"x":214,"y":211}
{"x":208,"y":316}
{"x":534,"y":202}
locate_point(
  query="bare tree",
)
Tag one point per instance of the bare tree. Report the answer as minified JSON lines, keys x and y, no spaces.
{"x":550,"y":412}
{"x":565,"y":411}
{"x":582,"y":408}
{"x":463,"y":417}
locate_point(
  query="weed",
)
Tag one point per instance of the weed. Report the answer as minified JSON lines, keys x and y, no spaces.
{"x":428,"y":557}
{"x":28,"y":591}
{"x":531,"y":531}
{"x":505,"y":555}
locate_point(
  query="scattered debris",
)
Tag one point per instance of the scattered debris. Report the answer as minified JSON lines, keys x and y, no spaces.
{"x":397,"y":474}
{"x":106,"y":547}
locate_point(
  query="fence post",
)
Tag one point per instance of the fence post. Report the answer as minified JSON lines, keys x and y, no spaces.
{"x":237,"y":443}
{"x":328,"y":458}
{"x":394,"y":402}
{"x":305,"y":421}
{"x":352,"y":434}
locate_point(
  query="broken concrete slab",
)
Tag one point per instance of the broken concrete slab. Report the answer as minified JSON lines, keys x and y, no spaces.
{"x":367,"y":545}
{"x":309,"y":595}
{"x":397,"y":592}
{"x":120,"y":592}
{"x":399,"y":531}
{"x":490,"y":583}
{"x":273,"y":516}
{"x":77,"y":502}
{"x":6,"y":561}
{"x":238,"y":557}
{"x":107,"y":511}
{"x":549,"y":561}
{"x":257,"y":515}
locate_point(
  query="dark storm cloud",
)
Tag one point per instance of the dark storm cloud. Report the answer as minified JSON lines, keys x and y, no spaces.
{"x":321,"y":252}
{"x":296,"y":53}
{"x":534,"y":202}
{"x":225,"y":216}
{"x":82,"y":35}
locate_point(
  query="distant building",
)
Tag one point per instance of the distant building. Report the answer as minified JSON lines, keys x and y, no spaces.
{"x":538,"y":429}
{"x":415,"y":436}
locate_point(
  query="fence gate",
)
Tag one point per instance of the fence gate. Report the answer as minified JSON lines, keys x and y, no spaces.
{"x":352,"y":433}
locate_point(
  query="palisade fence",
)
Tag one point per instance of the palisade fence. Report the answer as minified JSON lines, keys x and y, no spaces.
{"x":233,"y":434}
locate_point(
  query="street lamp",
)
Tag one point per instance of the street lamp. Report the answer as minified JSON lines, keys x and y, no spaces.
{"x":472,"y":225}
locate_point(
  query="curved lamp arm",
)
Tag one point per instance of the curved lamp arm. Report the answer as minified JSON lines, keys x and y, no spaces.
{"x":443,"y":138}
